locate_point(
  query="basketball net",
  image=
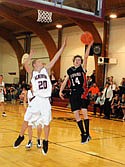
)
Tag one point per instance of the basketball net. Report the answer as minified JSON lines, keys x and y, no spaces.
{"x":44,"y":16}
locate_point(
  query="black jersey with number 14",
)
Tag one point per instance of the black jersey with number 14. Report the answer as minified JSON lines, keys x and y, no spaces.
{"x":76,"y":77}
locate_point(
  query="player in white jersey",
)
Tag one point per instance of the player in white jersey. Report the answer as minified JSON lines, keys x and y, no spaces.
{"x":2,"y":92}
{"x":40,"y":105}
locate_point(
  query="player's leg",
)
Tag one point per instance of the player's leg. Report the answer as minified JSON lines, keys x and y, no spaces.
{"x":46,"y":117}
{"x":86,"y":123}
{"x":39,"y":132}
{"x":21,"y":135}
{"x":27,"y":118}
{"x":30,"y":133}
{"x":79,"y":121}
{"x":75,"y":101}
{"x":2,"y":106}
{"x":85,"y":103}
{"x":45,"y":141}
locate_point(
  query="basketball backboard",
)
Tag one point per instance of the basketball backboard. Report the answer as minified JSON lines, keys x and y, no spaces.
{"x":94,"y":8}
{"x":91,"y":10}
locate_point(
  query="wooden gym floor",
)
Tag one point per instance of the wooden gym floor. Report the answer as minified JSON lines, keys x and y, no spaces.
{"x":106,"y":149}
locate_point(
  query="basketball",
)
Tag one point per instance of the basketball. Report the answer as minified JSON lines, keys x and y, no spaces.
{"x":86,"y":38}
{"x":24,"y":58}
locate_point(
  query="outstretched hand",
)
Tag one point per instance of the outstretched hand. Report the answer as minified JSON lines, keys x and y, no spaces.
{"x":61,"y":95}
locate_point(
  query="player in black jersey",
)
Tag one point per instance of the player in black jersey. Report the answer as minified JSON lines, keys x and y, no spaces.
{"x":76,"y":76}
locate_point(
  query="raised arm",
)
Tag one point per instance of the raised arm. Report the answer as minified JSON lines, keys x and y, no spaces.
{"x":57,"y":55}
{"x":86,"y":55}
{"x":26,"y":63}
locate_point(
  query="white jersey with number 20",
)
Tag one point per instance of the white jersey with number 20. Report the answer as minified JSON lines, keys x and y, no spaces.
{"x":41,"y":83}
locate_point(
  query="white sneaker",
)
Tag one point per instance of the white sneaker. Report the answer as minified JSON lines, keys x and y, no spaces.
{"x":4,"y":114}
{"x":29,"y":145}
{"x":38,"y":143}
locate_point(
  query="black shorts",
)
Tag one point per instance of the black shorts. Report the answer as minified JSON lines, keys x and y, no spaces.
{"x":77,"y":103}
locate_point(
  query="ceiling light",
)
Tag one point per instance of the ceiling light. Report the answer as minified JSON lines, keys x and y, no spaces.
{"x":59,"y":26}
{"x":113,"y":16}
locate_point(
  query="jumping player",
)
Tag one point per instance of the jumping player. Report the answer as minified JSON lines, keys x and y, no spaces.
{"x":39,"y":110}
{"x":2,"y":92}
{"x":76,"y":75}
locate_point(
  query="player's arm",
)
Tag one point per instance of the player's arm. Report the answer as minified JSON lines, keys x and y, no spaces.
{"x":63,"y":85}
{"x":86,"y":55}
{"x":57,"y":55}
{"x":26,"y":63}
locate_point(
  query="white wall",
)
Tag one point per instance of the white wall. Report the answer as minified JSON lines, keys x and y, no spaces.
{"x":117,"y":49}
{"x":8,"y":62}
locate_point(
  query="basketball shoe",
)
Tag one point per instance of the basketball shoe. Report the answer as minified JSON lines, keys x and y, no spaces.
{"x":18,"y":141}
{"x":4,"y":114}
{"x":38,"y":143}
{"x":29,"y":144}
{"x":45,"y":147}
{"x":85,"y":138}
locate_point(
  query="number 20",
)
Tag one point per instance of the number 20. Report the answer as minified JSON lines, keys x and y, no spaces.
{"x":42,"y":84}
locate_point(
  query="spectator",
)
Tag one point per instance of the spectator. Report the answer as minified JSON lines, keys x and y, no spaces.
{"x":93,"y":91}
{"x":115,"y":106}
{"x":122,"y":105}
{"x":99,"y":103}
{"x":53,"y":78}
{"x":107,"y":96}
{"x":123,"y":82}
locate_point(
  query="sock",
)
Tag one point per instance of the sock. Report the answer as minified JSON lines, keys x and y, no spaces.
{"x":86,"y":123}
{"x":80,"y":125}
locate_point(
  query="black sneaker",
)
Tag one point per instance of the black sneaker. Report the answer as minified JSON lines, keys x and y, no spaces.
{"x":45,"y":147}
{"x":18,"y":141}
{"x":38,"y":143}
{"x":29,"y":145}
{"x":85,"y":138}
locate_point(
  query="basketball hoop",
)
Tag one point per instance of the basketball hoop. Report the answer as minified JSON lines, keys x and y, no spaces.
{"x":44,"y":16}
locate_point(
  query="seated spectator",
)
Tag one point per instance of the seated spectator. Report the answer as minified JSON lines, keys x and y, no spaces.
{"x":122,"y":82}
{"x":13,"y":92}
{"x":122,"y":105}
{"x":53,"y":78}
{"x":115,"y":106}
{"x":99,"y":103}
{"x":93,"y":92}
{"x":23,"y":96}
{"x":23,"y":85}
{"x":55,"y":89}
{"x":116,"y":91}
{"x":89,"y":82}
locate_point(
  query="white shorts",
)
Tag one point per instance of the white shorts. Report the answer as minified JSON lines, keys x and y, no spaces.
{"x":1,"y":98}
{"x":38,"y":112}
